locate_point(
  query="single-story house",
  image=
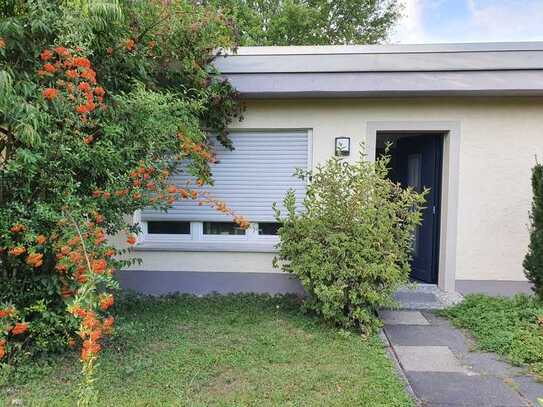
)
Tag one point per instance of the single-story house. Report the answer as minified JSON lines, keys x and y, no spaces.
{"x":465,"y":120}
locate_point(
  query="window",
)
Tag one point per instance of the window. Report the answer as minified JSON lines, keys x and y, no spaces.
{"x":209,"y":236}
{"x":249,"y":180}
{"x":414,"y":177}
{"x":268,"y":228}
{"x":414,"y":169}
{"x":168,"y":228}
{"x":223,"y":229}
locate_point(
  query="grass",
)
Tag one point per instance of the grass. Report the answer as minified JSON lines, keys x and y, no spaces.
{"x":240,"y":350}
{"x":511,"y":327}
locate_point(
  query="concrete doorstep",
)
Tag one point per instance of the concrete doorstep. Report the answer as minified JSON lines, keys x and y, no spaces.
{"x":440,"y":370}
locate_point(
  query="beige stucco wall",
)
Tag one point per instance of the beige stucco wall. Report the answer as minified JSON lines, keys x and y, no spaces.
{"x":499,"y":138}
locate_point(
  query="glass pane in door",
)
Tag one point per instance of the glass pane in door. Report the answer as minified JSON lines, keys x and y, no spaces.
{"x":414,"y":175}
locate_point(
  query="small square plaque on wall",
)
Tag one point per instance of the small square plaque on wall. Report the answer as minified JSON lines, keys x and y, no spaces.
{"x":343,"y":146}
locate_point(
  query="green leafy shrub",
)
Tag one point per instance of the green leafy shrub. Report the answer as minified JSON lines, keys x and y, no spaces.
{"x":533,"y":263}
{"x":350,"y":243}
{"x":37,"y":301}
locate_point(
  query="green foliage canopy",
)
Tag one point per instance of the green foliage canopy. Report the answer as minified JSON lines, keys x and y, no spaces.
{"x":311,"y":22}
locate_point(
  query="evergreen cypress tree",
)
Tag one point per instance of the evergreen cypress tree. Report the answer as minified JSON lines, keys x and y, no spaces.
{"x":533,"y":263}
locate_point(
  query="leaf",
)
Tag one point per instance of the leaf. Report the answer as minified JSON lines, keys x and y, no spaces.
{"x":104,"y":13}
{"x":6,"y":83}
{"x":26,"y":134}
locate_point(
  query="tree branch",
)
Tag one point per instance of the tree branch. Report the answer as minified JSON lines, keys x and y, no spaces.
{"x":6,"y":132}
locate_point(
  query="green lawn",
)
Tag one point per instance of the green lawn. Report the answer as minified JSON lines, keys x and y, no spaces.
{"x":507,"y":326}
{"x":226,"y":351}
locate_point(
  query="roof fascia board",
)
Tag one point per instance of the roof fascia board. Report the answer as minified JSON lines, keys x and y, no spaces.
{"x":417,"y":62}
{"x":388,"y":84}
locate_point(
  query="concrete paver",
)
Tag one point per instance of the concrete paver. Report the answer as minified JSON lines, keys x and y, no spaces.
{"x":529,"y":388}
{"x":456,"y":389}
{"x":429,"y":359}
{"x":403,"y":318}
{"x":416,"y":335}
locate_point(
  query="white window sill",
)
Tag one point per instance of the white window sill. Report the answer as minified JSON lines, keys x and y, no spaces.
{"x":210,"y":246}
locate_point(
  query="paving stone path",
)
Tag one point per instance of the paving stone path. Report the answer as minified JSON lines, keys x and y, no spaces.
{"x":443,"y":371}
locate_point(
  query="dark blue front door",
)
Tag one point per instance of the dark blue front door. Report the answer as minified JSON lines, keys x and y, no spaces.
{"x":417,"y":163}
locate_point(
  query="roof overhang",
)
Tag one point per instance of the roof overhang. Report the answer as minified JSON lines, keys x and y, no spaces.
{"x":501,"y":69}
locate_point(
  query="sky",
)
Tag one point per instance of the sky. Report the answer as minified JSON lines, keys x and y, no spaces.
{"x":435,"y":21}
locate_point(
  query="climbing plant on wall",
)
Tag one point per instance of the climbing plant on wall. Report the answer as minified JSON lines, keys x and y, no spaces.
{"x":98,"y":103}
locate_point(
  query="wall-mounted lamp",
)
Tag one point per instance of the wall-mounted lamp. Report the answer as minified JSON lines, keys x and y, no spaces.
{"x":343,"y":146}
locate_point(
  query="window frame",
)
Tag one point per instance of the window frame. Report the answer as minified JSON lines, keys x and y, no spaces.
{"x":197,"y":241}
{"x":220,"y":238}
{"x":276,"y":237}
{"x":145,"y":236}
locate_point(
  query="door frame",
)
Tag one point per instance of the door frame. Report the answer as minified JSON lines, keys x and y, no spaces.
{"x":448,"y":223}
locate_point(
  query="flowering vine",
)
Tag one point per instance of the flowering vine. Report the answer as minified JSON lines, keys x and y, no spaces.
{"x":85,"y":263}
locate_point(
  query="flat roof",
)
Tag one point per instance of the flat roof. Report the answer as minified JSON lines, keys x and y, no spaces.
{"x":391,"y":48}
{"x":386,"y":70}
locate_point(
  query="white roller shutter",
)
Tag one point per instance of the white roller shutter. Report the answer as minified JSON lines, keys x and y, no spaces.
{"x":249,"y":179}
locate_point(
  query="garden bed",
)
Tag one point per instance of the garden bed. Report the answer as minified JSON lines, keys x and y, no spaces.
{"x":511,"y":327}
{"x":219,"y":350}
